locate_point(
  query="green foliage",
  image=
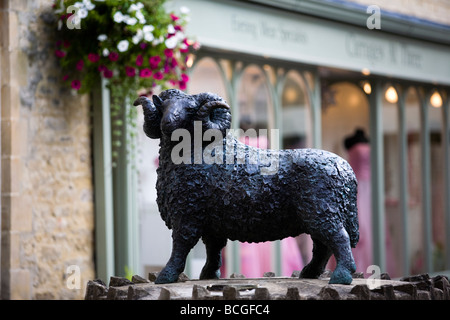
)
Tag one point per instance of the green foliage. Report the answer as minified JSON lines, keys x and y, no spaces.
{"x":138,"y":46}
{"x":128,"y":273}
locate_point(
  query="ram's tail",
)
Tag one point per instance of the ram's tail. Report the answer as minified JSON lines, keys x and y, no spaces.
{"x":351,"y":224}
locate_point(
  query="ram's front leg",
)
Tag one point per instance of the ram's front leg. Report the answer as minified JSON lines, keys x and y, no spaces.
{"x":183,"y":242}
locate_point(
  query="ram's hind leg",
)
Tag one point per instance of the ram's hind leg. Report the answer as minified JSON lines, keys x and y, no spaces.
{"x":213,"y":263}
{"x":321,"y":254}
{"x":340,"y":245}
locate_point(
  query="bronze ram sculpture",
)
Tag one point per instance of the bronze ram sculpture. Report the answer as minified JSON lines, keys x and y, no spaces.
{"x":311,"y":191}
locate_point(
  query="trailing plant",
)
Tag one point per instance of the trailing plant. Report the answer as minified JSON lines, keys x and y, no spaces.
{"x":137,"y":45}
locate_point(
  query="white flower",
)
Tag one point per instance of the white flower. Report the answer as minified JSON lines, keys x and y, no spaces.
{"x":158,"y":40}
{"x":105,"y":52}
{"x":171,"y":42}
{"x":170,"y":29}
{"x":123,"y":45}
{"x":149,"y":36}
{"x":88,"y":4}
{"x":118,"y":17}
{"x":140,"y":17}
{"x":102,"y":37}
{"x":148,"y":28}
{"x":184,"y":10}
{"x":130,"y":21}
{"x":82,"y":13}
{"x":136,"y":7}
{"x":137,"y":37}
{"x":78,"y":5}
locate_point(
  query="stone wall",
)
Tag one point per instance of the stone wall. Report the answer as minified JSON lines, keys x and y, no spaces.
{"x":47,"y":213}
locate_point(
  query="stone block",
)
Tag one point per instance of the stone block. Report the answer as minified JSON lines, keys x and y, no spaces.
{"x":292,"y":293}
{"x":329,"y":293}
{"x":269,"y":274}
{"x":119,"y":281}
{"x":230,"y":293}
{"x":262,"y":294}
{"x":361,"y":291}
{"x":138,"y":279}
{"x":21,"y":283}
{"x":200,"y":293}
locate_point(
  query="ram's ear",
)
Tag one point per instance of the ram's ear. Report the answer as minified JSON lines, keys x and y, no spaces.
{"x":157,"y":102}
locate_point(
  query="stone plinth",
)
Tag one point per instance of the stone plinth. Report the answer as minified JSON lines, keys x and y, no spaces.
{"x":271,"y":288}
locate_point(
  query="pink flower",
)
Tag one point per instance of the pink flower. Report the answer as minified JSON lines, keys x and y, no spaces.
{"x":182,"y":85}
{"x":59,"y":53}
{"x":184,"y":77}
{"x":145,"y":73}
{"x":168,"y":53}
{"x":166,"y":68}
{"x":107,"y":73}
{"x":143,"y":45}
{"x":174,"y":17}
{"x":139,"y":60}
{"x":65,"y":77}
{"x":93,"y":57}
{"x":66,"y":43}
{"x":102,"y":68}
{"x":130,"y":71}
{"x":158,"y":75}
{"x":113,"y":56}
{"x":154,"y":61}
{"x":76,"y":84}
{"x":80,"y":65}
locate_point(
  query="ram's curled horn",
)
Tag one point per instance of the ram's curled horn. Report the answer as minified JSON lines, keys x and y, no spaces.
{"x":141,"y":101}
{"x":215,"y":115}
{"x":152,"y":117}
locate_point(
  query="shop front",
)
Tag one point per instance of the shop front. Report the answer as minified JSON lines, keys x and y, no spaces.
{"x":380,"y":100}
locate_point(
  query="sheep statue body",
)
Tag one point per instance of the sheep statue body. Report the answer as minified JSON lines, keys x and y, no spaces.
{"x":310,"y":191}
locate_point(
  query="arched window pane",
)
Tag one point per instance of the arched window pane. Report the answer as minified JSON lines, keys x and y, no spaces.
{"x":206,"y":77}
{"x":295,"y":114}
{"x":393,"y":216}
{"x":345,"y":131}
{"x":255,"y":104}
{"x":435,"y":116}
{"x":416,"y":238}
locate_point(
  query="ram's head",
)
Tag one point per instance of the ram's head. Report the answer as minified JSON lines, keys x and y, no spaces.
{"x":174,"y":109}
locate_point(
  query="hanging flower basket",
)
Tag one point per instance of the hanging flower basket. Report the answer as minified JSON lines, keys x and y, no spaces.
{"x":136,"y":45}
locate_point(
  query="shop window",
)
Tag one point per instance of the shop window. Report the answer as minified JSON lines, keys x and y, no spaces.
{"x":296,"y":132}
{"x":255,"y":106}
{"x":345,"y":108}
{"x":206,"y":76}
{"x":345,"y":131}
{"x":435,"y":116}
{"x":416,"y":254}
{"x":393,"y":216}
{"x":296,"y":121}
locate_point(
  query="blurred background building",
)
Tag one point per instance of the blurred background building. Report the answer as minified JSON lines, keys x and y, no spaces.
{"x":321,"y":72}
